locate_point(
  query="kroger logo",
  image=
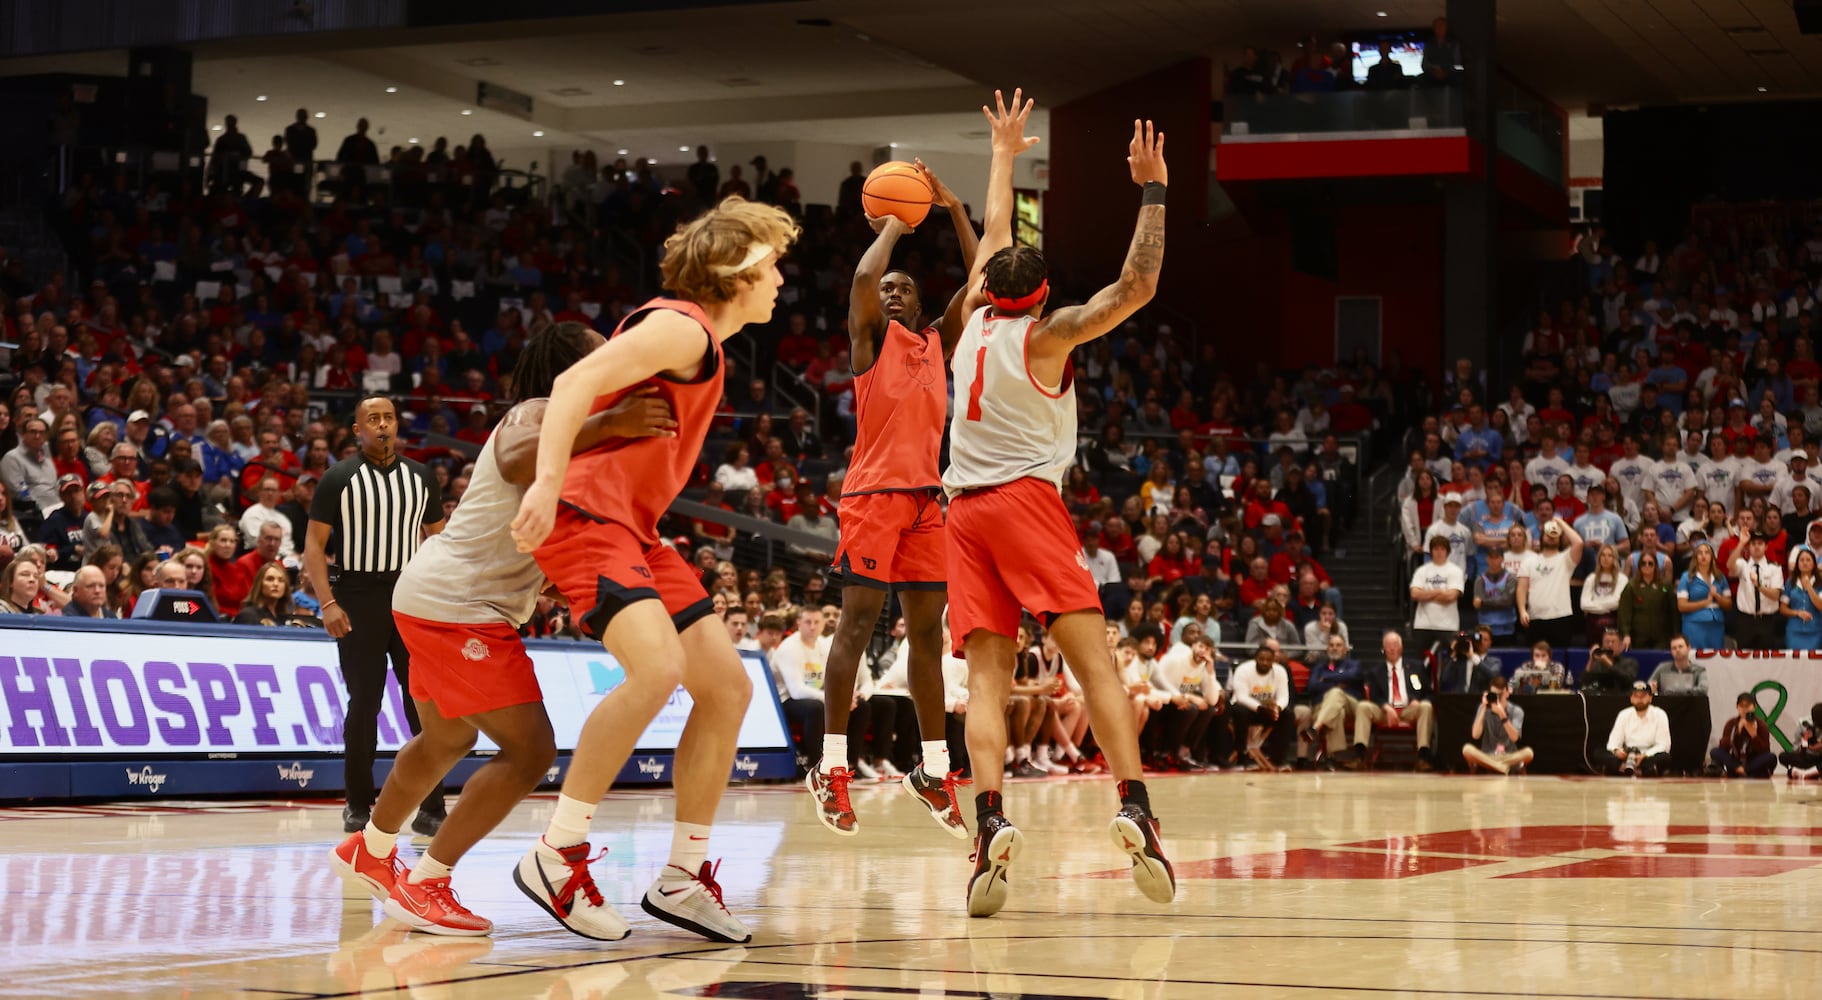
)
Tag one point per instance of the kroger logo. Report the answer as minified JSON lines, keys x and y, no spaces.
{"x":746,"y":765}
{"x":146,"y":778}
{"x":551,"y":775}
{"x":652,"y":767}
{"x":296,"y":772}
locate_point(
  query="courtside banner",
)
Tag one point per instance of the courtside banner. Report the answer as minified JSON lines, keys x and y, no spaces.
{"x":68,"y":688}
{"x":1784,"y":683}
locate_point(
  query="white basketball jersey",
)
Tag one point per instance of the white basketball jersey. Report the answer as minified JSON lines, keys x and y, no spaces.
{"x":1006,"y":426}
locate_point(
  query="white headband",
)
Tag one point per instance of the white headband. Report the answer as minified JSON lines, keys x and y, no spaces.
{"x":755,"y":253}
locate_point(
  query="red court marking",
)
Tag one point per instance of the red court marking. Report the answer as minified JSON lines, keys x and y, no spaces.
{"x":1669,"y":866}
{"x":1309,"y":863}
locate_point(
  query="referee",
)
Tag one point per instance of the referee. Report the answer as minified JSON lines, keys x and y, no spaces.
{"x":373,"y":507}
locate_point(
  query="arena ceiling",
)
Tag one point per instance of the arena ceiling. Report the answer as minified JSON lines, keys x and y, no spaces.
{"x":831,"y":71}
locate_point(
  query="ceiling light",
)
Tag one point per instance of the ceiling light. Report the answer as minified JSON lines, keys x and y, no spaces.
{"x":260,"y":97}
{"x":467,"y":111}
{"x":619,"y":83}
{"x":392,"y":90}
{"x":1381,"y":13}
{"x":619,"y":152}
{"x":891,"y":145}
{"x":539,"y":134}
{"x":1761,"y":90}
{"x":320,"y":114}
{"x":413,"y":140}
{"x":683,"y":149}
{"x":217,"y":128}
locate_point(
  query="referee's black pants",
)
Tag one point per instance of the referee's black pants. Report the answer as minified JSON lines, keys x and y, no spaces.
{"x":1760,"y":631}
{"x":374,"y":636}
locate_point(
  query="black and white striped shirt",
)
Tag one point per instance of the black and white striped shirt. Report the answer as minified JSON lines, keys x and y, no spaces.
{"x":376,"y":512}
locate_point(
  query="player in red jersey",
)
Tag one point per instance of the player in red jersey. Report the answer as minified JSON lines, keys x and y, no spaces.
{"x":1012,"y":544}
{"x":891,"y":513}
{"x":600,"y":547}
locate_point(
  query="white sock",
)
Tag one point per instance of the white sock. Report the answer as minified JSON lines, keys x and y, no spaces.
{"x":1042,"y":754}
{"x":936,"y":758}
{"x":689,"y":847}
{"x":379,"y":842}
{"x":568,"y":825}
{"x":428,"y":868}
{"x":1024,"y":753}
{"x":834,"y":753}
{"x":1009,"y":757}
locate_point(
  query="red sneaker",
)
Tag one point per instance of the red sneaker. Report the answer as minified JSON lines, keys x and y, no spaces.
{"x":431,"y":906}
{"x":831,"y":796}
{"x":938,"y":796}
{"x":377,"y":875}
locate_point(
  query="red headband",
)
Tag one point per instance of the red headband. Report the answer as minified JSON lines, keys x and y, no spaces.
{"x":1022,"y":303}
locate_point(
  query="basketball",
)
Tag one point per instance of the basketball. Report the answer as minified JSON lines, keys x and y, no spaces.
{"x":896,"y":188}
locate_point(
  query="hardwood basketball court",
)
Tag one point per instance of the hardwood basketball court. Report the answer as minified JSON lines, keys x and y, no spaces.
{"x":1289,"y":886}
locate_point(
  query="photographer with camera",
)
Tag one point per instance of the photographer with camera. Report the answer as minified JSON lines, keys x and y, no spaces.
{"x":1469,"y":669}
{"x":1745,"y":747}
{"x":1498,"y":724}
{"x":1802,"y":759}
{"x":1609,"y":669}
{"x":1640,"y":740}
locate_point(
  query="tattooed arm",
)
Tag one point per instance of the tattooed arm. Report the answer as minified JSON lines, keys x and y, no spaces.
{"x":1061,"y":331}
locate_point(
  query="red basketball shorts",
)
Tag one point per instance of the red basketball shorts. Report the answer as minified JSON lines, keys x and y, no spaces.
{"x":467,"y":669}
{"x":601,"y":567}
{"x":892,"y":540}
{"x":1014,"y":548}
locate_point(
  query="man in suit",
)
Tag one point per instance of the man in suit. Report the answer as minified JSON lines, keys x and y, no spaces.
{"x":1398,"y":692}
{"x":1335,"y":688}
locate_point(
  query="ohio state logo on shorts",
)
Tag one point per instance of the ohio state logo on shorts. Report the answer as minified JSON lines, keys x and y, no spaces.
{"x":474,"y":649}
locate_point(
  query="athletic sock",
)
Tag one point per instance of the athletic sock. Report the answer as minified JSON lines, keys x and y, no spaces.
{"x":689,"y":846}
{"x":1023,"y":753}
{"x":936,"y":758}
{"x":834,"y":753}
{"x":986,"y":804}
{"x":1133,"y":793}
{"x":428,"y":868}
{"x":568,"y":825}
{"x":379,"y":842}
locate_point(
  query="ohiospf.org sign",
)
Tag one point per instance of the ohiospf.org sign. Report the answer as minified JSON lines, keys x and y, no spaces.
{"x":106,"y":693}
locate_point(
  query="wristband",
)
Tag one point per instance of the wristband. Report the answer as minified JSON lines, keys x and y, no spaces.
{"x":330,"y":604}
{"x":1154,"y":194}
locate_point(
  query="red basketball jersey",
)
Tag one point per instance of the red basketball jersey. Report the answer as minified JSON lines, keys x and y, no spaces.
{"x":631,"y":481}
{"x":900,"y":404}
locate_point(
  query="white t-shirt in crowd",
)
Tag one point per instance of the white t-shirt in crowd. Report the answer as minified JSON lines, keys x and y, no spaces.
{"x":1431,"y":615}
{"x":1549,"y":589}
{"x":1600,"y":598}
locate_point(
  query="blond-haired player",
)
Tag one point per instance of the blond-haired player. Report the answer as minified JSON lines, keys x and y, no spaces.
{"x":600,"y":547}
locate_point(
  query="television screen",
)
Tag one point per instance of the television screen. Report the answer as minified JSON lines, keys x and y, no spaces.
{"x":1406,"y":52}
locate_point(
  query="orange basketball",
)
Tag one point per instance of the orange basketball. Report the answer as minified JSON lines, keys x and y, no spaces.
{"x":896,"y":188}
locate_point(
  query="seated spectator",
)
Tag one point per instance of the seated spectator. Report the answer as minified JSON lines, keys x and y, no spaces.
{"x":735,"y":474}
{"x":797,"y":670}
{"x":1315,"y":634}
{"x":1193,"y":699}
{"x":1542,"y":673}
{"x":1621,"y":670}
{"x":1680,"y":674}
{"x":1498,"y":726}
{"x":89,"y":595}
{"x":1468,"y":669}
{"x":265,"y":511}
{"x":233,"y":582}
{"x":1802,"y":759}
{"x":1397,"y":693}
{"x":111,"y":521}
{"x":269,"y":602}
{"x":1261,"y":689}
{"x":1270,"y":623}
{"x":20,"y":583}
{"x":1640,"y":740}
{"x":1745,"y":747}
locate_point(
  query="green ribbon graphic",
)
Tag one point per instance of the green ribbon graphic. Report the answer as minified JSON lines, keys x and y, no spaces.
{"x":1771,"y":717}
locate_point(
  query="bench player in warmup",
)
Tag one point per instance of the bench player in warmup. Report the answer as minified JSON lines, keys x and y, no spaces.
{"x":1012,"y":545}
{"x":599,"y":546}
{"x":891,"y":518}
{"x":459,"y":604}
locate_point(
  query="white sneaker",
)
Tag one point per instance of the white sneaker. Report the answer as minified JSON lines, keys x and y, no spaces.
{"x":693,"y":902}
{"x":1041,"y":757}
{"x":866,"y":770}
{"x":887,"y":772}
{"x":566,"y":891}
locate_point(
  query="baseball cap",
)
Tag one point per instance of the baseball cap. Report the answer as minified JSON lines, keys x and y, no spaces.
{"x":138,"y":415}
{"x":1449,"y":498}
{"x":1270,"y":519}
{"x":1741,"y":403}
{"x":308,"y":477}
{"x":184,"y":361}
{"x":1095,"y":526}
{"x":66,"y":481}
{"x":1640,"y":686}
{"x":97,"y":488}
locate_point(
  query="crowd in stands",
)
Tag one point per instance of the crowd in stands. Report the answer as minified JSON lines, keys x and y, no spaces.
{"x":1320,"y":68}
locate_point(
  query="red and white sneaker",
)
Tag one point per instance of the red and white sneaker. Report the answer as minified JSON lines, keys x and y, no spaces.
{"x":1136,"y":833}
{"x":693,"y":902}
{"x":431,"y":906}
{"x":566,"y":891}
{"x":939,"y":797}
{"x":830,"y":791}
{"x":353,"y":863}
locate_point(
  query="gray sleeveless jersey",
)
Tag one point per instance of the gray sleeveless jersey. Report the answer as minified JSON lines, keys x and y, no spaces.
{"x":471,"y":573}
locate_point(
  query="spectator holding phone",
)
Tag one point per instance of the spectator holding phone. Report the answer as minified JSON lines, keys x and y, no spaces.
{"x":1745,"y":747}
{"x":1498,"y":724}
